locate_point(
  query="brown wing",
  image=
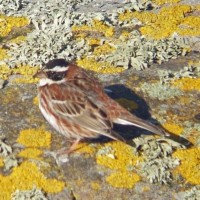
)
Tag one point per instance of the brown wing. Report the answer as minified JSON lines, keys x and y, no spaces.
{"x":73,"y":104}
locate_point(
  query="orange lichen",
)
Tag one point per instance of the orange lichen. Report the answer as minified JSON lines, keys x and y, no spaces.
{"x":190,"y":165}
{"x":27,"y":72}
{"x":187,"y":83}
{"x":1,"y":162}
{"x":93,"y":41}
{"x":85,"y":148}
{"x":95,"y":185}
{"x":25,"y":177}
{"x":166,"y":22}
{"x":125,"y":35}
{"x":161,"y":2}
{"x":8,"y":23}
{"x":122,"y":157}
{"x":36,"y":101}
{"x":190,"y":26}
{"x":35,"y":138}
{"x":194,"y":134}
{"x":5,"y":71}
{"x":97,"y":26}
{"x":173,"y":128}
{"x":101,"y":67}
{"x":185,"y":100}
{"x":123,"y":179}
{"x":3,"y":54}
{"x":30,"y":153}
{"x":18,"y":39}
{"x":103,"y":49}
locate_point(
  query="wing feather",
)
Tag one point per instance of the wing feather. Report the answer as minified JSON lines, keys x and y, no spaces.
{"x":81,"y":108}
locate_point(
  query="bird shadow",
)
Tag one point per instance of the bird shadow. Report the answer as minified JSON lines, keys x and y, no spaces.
{"x":121,"y":93}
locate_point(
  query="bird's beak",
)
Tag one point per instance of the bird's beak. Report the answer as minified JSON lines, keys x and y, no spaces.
{"x":40,"y":74}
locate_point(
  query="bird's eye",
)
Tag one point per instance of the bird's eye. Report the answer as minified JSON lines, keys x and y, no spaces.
{"x":56,"y":76}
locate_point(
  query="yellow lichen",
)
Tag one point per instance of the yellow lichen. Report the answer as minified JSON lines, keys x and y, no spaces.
{"x":187,"y":83}
{"x":8,"y":23}
{"x":93,"y":41}
{"x":95,"y":186}
{"x":25,"y":79}
{"x":97,"y":26}
{"x":124,"y":35}
{"x":5,"y":71}
{"x":25,"y":177}
{"x":1,"y":162}
{"x":166,"y":22}
{"x":30,"y":153}
{"x":194,"y":134}
{"x":36,"y":101}
{"x":190,"y":26}
{"x":103,"y":49}
{"x":18,"y":39}
{"x":101,"y":67}
{"x":123,"y":179}
{"x":128,"y":104}
{"x":85,"y":148}
{"x":185,"y":100}
{"x":173,"y":128}
{"x":35,"y":138}
{"x":197,"y":7}
{"x":190,"y":165}
{"x":122,"y":158}
{"x":3,"y":54}
{"x":26,"y":71}
{"x":161,"y":2}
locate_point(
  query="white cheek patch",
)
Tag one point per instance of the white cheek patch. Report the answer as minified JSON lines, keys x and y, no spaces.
{"x":47,"y":81}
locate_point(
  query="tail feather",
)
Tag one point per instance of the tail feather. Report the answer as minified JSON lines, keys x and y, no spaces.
{"x":135,"y":121}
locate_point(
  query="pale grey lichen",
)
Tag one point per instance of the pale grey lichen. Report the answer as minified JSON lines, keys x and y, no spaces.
{"x":192,"y":194}
{"x":158,"y":161}
{"x":2,"y":83}
{"x":160,"y":91}
{"x":105,"y":151}
{"x":139,"y":52}
{"x":10,"y":7}
{"x":190,"y":127}
{"x":33,"y":194}
{"x":9,"y":158}
{"x":52,"y":37}
{"x":190,"y":71}
{"x":5,"y":149}
{"x":10,"y":162}
{"x":42,"y":45}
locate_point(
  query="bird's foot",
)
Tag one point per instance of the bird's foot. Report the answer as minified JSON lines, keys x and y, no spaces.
{"x":61,"y":156}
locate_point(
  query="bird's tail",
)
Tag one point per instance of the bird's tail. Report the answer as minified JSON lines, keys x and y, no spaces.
{"x":135,"y":121}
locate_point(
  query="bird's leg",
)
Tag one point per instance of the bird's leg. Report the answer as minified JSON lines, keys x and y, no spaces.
{"x":73,"y":146}
{"x":61,"y":155}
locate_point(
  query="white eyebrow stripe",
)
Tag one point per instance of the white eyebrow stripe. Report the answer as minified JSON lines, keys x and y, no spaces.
{"x":57,"y":69}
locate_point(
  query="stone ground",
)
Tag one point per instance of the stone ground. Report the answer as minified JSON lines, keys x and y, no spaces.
{"x":17,"y":112}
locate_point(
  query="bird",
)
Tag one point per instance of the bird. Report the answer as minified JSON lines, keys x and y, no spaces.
{"x":76,"y":105}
